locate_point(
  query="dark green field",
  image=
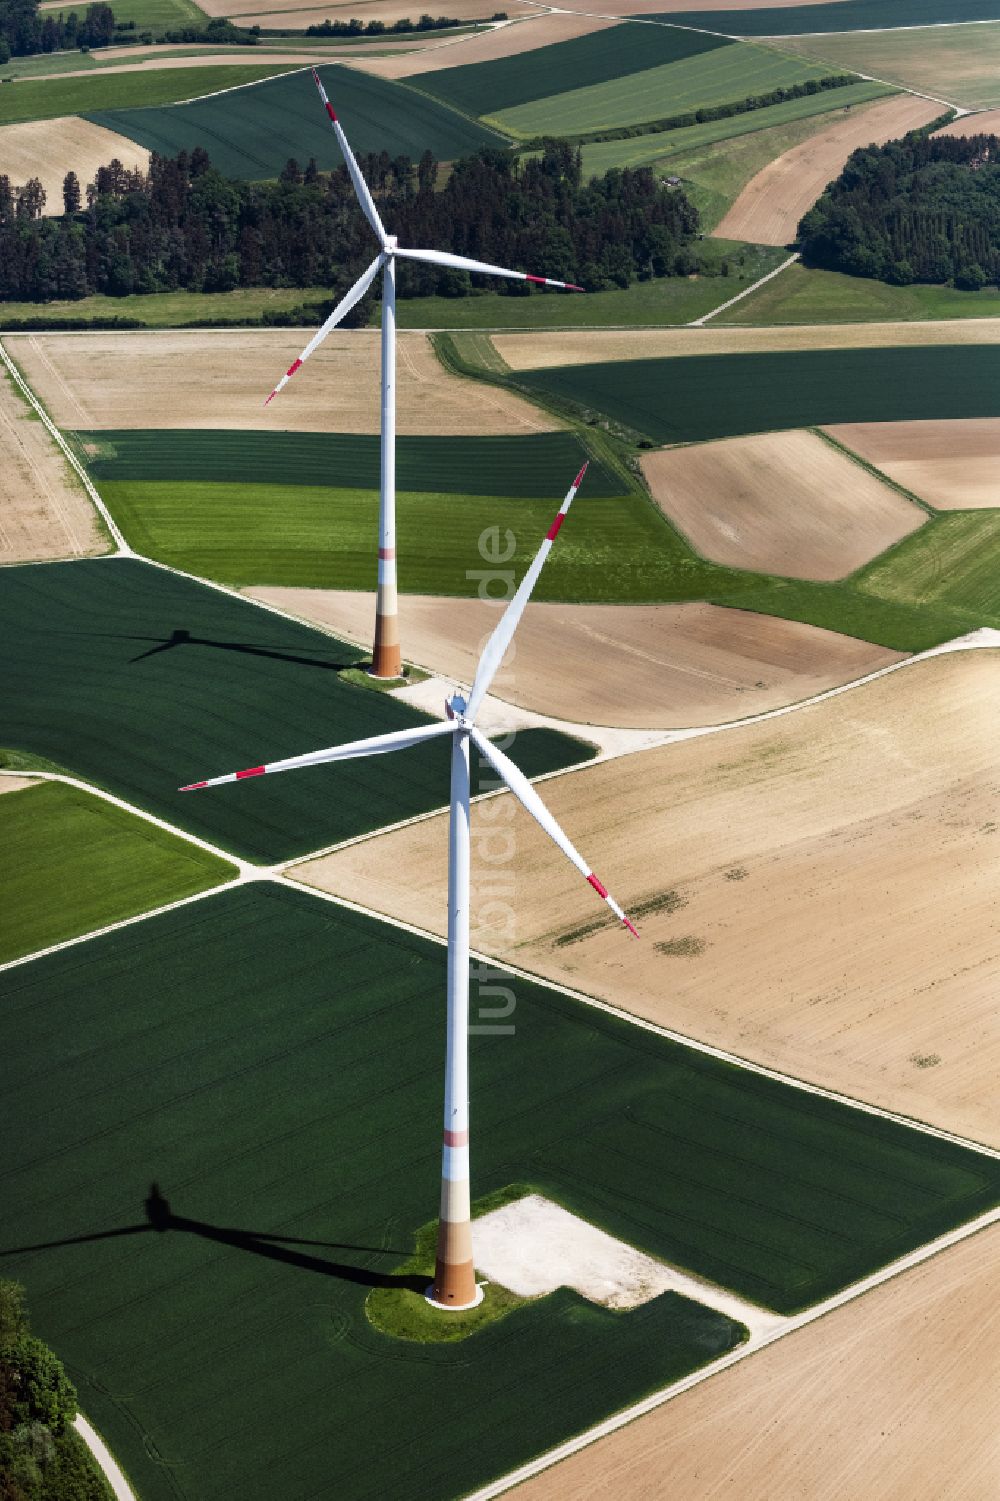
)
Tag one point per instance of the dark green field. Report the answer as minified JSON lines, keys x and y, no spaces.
{"x":536,"y":464}
{"x":96,"y":95}
{"x":76,"y":863}
{"x":697,"y":397}
{"x":280,"y":1084}
{"x":840,"y":15}
{"x":142,"y":681}
{"x":253,"y":132}
{"x":484,"y":88}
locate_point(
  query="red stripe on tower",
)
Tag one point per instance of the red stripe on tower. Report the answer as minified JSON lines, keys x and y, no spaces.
{"x":601,"y":890}
{"x":251,"y":771}
{"x":553,"y":531}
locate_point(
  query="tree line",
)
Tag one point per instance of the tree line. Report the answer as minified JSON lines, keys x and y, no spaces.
{"x":182,"y":225}
{"x":921,"y":209}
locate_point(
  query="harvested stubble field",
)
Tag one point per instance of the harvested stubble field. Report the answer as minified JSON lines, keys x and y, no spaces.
{"x":48,"y":149}
{"x":635,"y":666}
{"x":719,"y":396}
{"x":954,"y":63}
{"x":985,"y":122}
{"x":872,"y":814}
{"x":770,"y":206}
{"x":555,"y":347}
{"x":952,"y":465}
{"x":590,"y":59}
{"x":784,"y":503}
{"x":486,"y":49}
{"x":306,"y":1081}
{"x":220,"y":380}
{"x":894,"y":1391}
{"x":143,"y":681}
{"x":274,"y":13}
{"x":44,"y":511}
{"x":74,"y":862}
{"x":721,"y":76}
{"x":253,"y":132}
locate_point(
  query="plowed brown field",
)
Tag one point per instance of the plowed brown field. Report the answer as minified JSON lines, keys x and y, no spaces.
{"x":817,"y":892}
{"x":890,"y":1398}
{"x":220,"y":380}
{"x":785,"y":503}
{"x":44,"y":512}
{"x":770,"y":206}
{"x":48,"y":149}
{"x":985,"y":122}
{"x":952,"y":465}
{"x":631,"y":666}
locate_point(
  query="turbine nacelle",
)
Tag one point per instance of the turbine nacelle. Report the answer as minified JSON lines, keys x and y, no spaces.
{"x":456,"y":707}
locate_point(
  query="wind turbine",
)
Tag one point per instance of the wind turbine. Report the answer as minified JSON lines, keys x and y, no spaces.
{"x":454,"y":1285}
{"x":385,"y":652}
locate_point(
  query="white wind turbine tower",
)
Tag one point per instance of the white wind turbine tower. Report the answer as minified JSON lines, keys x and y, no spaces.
{"x":454,"y":1285}
{"x":385,"y":652}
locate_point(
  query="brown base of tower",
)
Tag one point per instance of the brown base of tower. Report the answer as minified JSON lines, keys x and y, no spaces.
{"x":454,"y":1284}
{"x":386,"y":659}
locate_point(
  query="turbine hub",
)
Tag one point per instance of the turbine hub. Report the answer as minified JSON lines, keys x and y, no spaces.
{"x":391,"y":241}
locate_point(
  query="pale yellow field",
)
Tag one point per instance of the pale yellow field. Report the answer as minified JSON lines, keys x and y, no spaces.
{"x":15,"y":784}
{"x":196,"y":379}
{"x":506,"y":41}
{"x":631,"y":666}
{"x":954,"y":465}
{"x":785,"y":503}
{"x":770,"y":206}
{"x":890,"y":1398}
{"x":293,"y":13}
{"x":539,"y":349}
{"x":817,"y":892}
{"x":44,"y":512}
{"x":957,"y":63}
{"x":48,"y":149}
{"x":986,"y":122}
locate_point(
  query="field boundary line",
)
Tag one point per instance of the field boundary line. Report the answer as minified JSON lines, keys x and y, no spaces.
{"x":116,"y":536}
{"x":112,"y":1471}
{"x":790,"y":1326}
{"x":723,"y":1055}
{"x":280,"y":72}
{"x":697,"y":322}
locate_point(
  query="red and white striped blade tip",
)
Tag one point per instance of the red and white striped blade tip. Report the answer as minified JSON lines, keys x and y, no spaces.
{"x":192,"y":787}
{"x":579,"y":479}
{"x":548,"y":281}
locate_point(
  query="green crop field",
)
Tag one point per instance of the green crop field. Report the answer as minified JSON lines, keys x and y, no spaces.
{"x":801,"y":295}
{"x":150,"y":15}
{"x":485,"y":88}
{"x":837,"y":15}
{"x":954,"y":562}
{"x":762,"y":135}
{"x":99,"y":91}
{"x":168,"y":309}
{"x":957,"y":63}
{"x":222,"y":1128}
{"x":723,"y":76}
{"x":535,"y":464}
{"x":74,"y":863}
{"x":253,"y":132}
{"x":142,"y":681}
{"x":663,"y":301}
{"x":698,"y":397}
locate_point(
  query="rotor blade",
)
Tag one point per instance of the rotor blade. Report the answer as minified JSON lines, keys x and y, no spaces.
{"x":349,"y":300}
{"x":462,"y":263}
{"x":360,"y":186}
{"x":526,"y":794}
{"x":376,"y":745}
{"x":496,"y":646}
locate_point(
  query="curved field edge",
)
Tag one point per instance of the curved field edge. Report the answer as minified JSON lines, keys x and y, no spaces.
{"x":293,"y":1034}
{"x":76,"y":863}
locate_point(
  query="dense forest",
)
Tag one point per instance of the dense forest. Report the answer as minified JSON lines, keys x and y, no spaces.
{"x":921,"y":209}
{"x":183,"y":225}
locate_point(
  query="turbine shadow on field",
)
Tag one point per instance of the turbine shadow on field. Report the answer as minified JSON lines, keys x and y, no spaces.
{"x":160,"y":1218}
{"x":181,"y":637}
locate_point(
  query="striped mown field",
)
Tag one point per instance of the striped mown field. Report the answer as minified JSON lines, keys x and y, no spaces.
{"x":230,"y":1134}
